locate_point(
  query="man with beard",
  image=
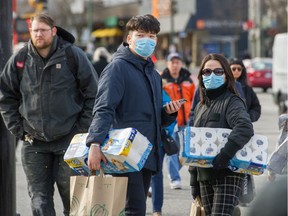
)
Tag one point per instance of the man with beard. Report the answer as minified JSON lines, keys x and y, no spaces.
{"x":45,"y":99}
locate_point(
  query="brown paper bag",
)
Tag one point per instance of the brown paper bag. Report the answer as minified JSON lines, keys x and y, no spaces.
{"x":98,"y":195}
{"x":197,"y":208}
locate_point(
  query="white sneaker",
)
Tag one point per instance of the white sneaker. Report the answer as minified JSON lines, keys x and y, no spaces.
{"x":175,"y":185}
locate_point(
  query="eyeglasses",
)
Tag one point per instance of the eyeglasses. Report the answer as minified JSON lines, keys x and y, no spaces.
{"x":216,"y":71}
{"x":236,"y":68}
{"x":42,"y":31}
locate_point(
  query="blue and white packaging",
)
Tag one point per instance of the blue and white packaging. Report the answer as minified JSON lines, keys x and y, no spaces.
{"x":201,"y":145}
{"x":126,"y":150}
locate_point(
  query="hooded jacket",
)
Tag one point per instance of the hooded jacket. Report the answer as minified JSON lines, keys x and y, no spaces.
{"x":47,"y":102}
{"x":130,"y":95}
{"x":183,"y":87}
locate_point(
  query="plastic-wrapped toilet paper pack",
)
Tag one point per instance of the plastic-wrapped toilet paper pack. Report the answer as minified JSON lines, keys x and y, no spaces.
{"x":259,"y":142}
{"x":126,"y":150}
{"x":245,"y":160}
{"x":195,"y":135}
{"x":244,"y":154}
{"x":208,"y":135}
{"x":249,"y":143}
{"x":195,"y":149}
{"x":259,"y":156}
{"x":209,"y":149}
{"x":222,"y":135}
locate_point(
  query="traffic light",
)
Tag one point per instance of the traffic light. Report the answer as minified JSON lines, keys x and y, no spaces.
{"x":174,"y":6}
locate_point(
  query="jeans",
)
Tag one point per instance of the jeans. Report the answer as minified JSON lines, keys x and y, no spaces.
{"x":157,"y":185}
{"x":44,"y":166}
{"x":173,"y":163}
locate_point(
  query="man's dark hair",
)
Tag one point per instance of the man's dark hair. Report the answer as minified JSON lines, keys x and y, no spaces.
{"x":146,"y":23}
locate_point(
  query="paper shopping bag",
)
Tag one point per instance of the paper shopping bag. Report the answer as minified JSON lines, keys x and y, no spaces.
{"x":196,"y":208}
{"x":98,"y":195}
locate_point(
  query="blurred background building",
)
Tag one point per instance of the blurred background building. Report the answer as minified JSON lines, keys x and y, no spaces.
{"x":236,"y":28}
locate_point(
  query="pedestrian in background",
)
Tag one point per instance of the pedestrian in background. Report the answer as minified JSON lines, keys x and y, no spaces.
{"x":45,"y":106}
{"x":220,"y":107}
{"x":252,"y":102}
{"x":178,"y":84}
{"x":101,"y":59}
{"x":129,"y":95}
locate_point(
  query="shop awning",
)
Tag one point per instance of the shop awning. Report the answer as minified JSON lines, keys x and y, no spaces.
{"x":180,"y":23}
{"x":107,"y":32}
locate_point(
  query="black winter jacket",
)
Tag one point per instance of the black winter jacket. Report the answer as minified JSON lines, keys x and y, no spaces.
{"x":47,"y":101}
{"x":223,"y":109}
{"x":130,"y":95}
{"x":251,"y":99}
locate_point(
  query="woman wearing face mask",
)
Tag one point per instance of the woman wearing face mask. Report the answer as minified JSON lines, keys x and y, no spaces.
{"x":251,"y":99}
{"x":220,"y":107}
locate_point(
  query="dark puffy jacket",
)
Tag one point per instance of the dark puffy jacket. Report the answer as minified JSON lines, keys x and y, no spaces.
{"x":251,"y":99}
{"x":47,"y":101}
{"x":223,"y":109}
{"x":130,"y":95}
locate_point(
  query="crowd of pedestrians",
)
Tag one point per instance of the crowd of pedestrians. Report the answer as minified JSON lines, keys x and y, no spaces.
{"x":50,"y":91}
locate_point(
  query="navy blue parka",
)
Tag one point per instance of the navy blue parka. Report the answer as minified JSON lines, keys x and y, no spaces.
{"x":130,"y":95}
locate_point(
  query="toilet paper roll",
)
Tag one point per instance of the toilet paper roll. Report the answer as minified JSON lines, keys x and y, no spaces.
{"x":244,"y":154}
{"x":195,"y":149}
{"x":259,"y":142}
{"x":209,"y":149}
{"x":194,"y":135}
{"x":259,"y":157}
{"x":222,"y":135}
{"x":249,"y":143}
{"x":208,"y":135}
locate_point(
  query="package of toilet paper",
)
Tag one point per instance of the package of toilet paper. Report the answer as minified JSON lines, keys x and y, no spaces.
{"x":126,"y":150}
{"x":201,"y":145}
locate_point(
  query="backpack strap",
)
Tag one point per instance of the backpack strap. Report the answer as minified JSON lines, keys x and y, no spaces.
{"x":72,"y":64}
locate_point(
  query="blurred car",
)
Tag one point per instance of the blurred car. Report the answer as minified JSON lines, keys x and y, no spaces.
{"x":259,"y":72}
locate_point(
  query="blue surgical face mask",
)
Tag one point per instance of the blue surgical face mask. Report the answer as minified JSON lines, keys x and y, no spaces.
{"x":213,"y":81}
{"x":145,"y":46}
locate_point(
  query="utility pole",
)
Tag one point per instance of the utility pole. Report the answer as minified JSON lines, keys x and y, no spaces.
{"x":90,"y":16}
{"x":7,"y":141}
{"x":173,"y":10}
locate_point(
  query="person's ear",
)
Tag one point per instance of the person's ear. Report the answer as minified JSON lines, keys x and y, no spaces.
{"x":54,"y":31}
{"x":129,"y":38}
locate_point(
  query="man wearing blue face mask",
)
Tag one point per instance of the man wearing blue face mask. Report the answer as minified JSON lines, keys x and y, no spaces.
{"x":130,"y":95}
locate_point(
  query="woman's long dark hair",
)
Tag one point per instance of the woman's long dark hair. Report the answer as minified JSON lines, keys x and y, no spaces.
{"x":230,"y":82}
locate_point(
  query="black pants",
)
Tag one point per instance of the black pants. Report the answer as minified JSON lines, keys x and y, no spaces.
{"x":138,"y":186}
{"x":44,"y":166}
